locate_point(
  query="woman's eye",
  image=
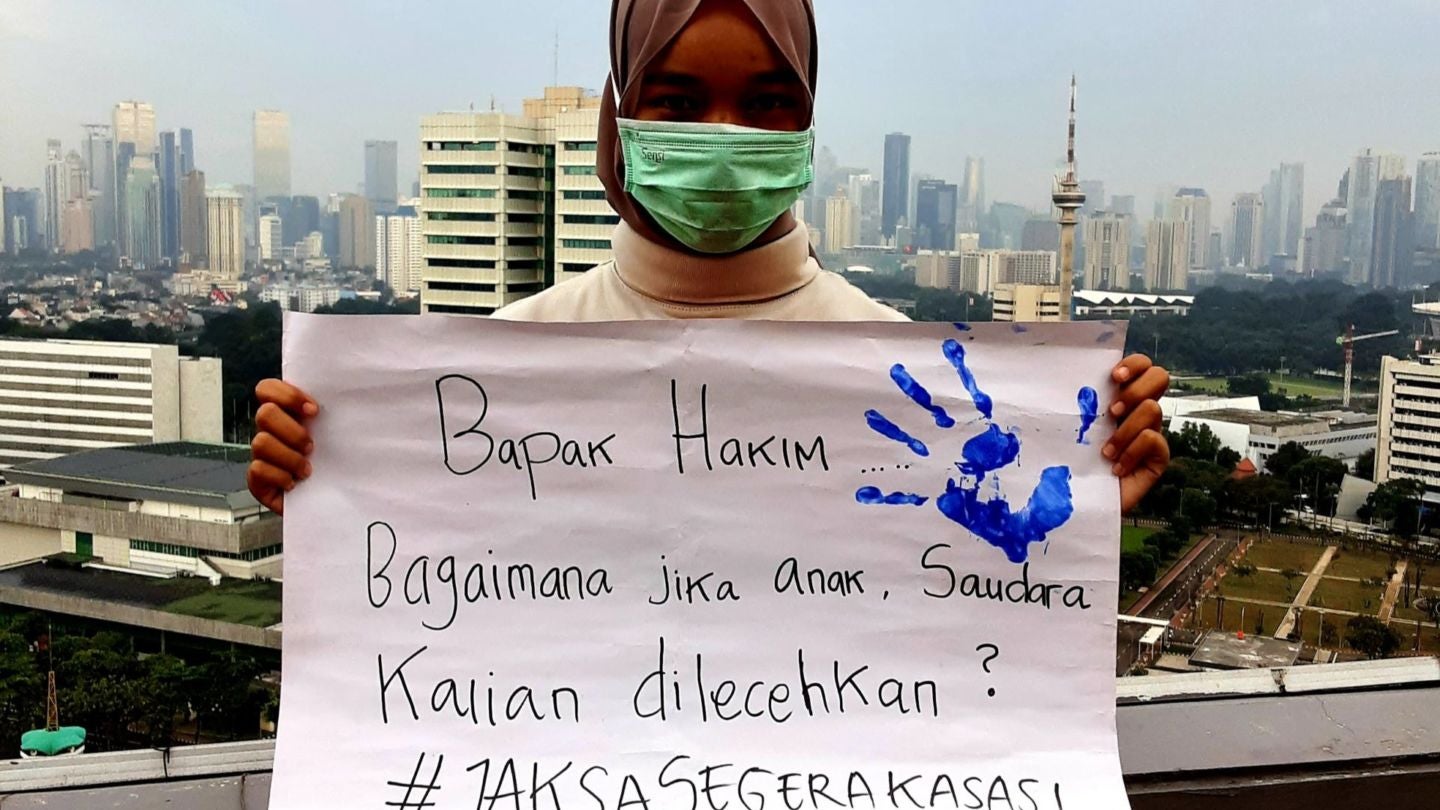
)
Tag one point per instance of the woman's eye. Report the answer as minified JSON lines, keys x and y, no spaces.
{"x":675,"y":103}
{"x":769,"y":102}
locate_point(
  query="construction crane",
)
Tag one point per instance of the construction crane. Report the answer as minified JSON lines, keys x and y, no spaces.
{"x":1348,"y":340}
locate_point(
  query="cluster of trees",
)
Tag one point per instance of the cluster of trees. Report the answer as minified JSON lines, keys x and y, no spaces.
{"x":122,"y":699}
{"x":931,"y":305}
{"x":1281,"y":324}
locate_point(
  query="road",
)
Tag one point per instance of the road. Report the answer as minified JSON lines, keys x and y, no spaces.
{"x":1172,"y":594}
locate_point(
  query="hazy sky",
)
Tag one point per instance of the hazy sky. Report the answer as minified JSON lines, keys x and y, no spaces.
{"x":1210,"y":93}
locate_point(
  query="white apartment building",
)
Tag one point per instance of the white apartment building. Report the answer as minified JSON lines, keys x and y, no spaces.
{"x":63,"y":396}
{"x":1026,"y":303}
{"x":940,"y":270}
{"x":1409,"y":440}
{"x":399,"y":250}
{"x":1107,"y":251}
{"x":583,"y":222}
{"x":302,"y":297}
{"x":486,"y":189}
{"x":225,"y":234}
{"x":1256,"y":435}
{"x":272,"y":240}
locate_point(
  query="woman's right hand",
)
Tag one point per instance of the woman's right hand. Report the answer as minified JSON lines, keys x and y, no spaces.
{"x":279,"y":453}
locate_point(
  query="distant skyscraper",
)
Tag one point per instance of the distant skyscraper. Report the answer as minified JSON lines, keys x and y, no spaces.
{"x":302,"y":218}
{"x":1427,"y":201}
{"x":187,"y":151}
{"x":1325,"y":242}
{"x":839,"y":222}
{"x":1192,"y":206}
{"x":398,"y":255}
{"x":1247,"y":215}
{"x":4,"y":227}
{"x":1123,"y":204}
{"x":98,"y":152}
{"x":972,"y":196}
{"x":171,"y":168}
{"x":194,"y":216}
{"x":135,"y":124}
{"x":1167,"y":256}
{"x":272,"y":154}
{"x":1367,"y":170}
{"x":380,"y":188}
{"x":225,"y":234}
{"x":271,"y":242}
{"x":1068,"y":197}
{"x":1393,"y":249}
{"x":1283,"y":223}
{"x":935,"y":203}
{"x":895,"y":199}
{"x":1041,"y":233}
{"x":357,"y":232}
{"x":77,"y":229}
{"x":141,"y":244}
{"x":1107,"y":251}
{"x":864,"y":194}
{"x":57,"y":192}
{"x":1094,"y":196}
{"x":24,"y":208}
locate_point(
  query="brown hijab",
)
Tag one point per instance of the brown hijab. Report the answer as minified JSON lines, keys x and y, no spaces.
{"x":639,"y":31}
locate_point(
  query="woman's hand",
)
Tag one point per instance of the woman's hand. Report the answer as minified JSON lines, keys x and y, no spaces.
{"x":1138,"y":448}
{"x":279,"y":454}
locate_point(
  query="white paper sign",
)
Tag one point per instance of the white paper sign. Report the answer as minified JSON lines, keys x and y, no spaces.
{"x":700,"y":565}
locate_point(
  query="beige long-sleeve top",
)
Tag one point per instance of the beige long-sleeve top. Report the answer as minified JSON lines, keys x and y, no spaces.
{"x":646,"y":281}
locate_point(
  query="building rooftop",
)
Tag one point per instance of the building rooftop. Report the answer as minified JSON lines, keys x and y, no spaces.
{"x":1116,"y":297}
{"x":1228,"y":651}
{"x":177,"y":472}
{"x":1267,"y":419}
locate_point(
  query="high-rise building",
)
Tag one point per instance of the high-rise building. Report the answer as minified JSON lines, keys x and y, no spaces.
{"x":583,"y":221}
{"x":1247,"y":222}
{"x":1367,"y":170}
{"x":1325,"y":242}
{"x":398,"y":256}
{"x":1027,"y":267}
{"x":1095,"y":199}
{"x":4,"y":222}
{"x":194,"y":215}
{"x":77,"y":227}
{"x":1068,"y":197}
{"x":1123,"y":204}
{"x":1408,"y":444}
{"x":171,"y":166}
{"x":57,"y":192}
{"x":939,"y":269}
{"x":1393,"y":245}
{"x":1028,"y":303}
{"x":272,"y":154}
{"x":141,"y":243}
{"x":357,"y":232}
{"x":1041,"y":233}
{"x":272,"y":238}
{"x":1167,"y":256}
{"x":895,"y":197}
{"x":23,"y":210}
{"x":1192,"y":207}
{"x":972,"y":196}
{"x":1283,"y":222}
{"x":1107,"y":251}
{"x":225,"y":234}
{"x":935,"y":202}
{"x":839,"y":222}
{"x":135,"y":124}
{"x":864,"y":193}
{"x":187,"y":151}
{"x":301,"y":218}
{"x":380,"y":170}
{"x":487,"y":186}
{"x":112,"y":394}
{"x":1427,"y":201}
{"x":98,"y":152}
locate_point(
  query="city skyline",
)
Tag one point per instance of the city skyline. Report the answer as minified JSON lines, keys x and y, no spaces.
{"x":1151,"y":118}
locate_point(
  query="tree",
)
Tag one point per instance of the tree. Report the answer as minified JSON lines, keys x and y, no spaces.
{"x":1365,"y":465}
{"x":1198,"y":507}
{"x":1285,"y":456}
{"x":1397,"y":503}
{"x":248,"y":343}
{"x":1318,"y":477}
{"x":1227,"y":458}
{"x":1137,"y":570}
{"x":1194,"y":441}
{"x":1248,"y":385}
{"x":1369,"y":635}
{"x":1263,"y":498}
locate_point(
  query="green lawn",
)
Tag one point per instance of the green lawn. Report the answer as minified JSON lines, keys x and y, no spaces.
{"x":1359,"y":564}
{"x":1340,"y":594}
{"x":1132,"y":538}
{"x":1260,"y":585}
{"x":1318,"y":387}
{"x":1267,"y":618}
{"x":240,"y":601}
{"x":1280,"y":555}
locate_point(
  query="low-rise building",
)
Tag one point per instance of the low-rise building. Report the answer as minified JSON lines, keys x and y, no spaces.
{"x":1256,"y":435}
{"x":1027,"y":303}
{"x":157,"y":509}
{"x":1112,"y":304}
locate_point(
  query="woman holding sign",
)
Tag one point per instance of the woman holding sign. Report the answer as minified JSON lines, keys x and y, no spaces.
{"x":706,"y":139}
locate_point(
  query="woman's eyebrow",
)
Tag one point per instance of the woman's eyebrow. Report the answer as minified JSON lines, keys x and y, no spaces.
{"x":671,"y":79}
{"x":776,"y":77}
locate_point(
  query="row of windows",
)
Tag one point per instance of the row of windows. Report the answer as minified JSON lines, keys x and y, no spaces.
{"x":74,"y":389}
{"x":516,"y":194}
{"x":526,"y":218}
{"x":112,"y":407}
{"x":575,"y":267}
{"x":590,"y":219}
{"x":460,"y":286}
{"x":525,"y":287}
{"x":48,"y":357}
{"x":526,"y":148}
{"x":451,"y":309}
{"x":176,"y":550}
{"x":586,"y":244}
{"x":468,"y":264}
{"x":462,"y":193}
{"x":45,"y":431}
{"x":583,"y":195}
{"x":581,"y":146}
{"x":525,"y":171}
{"x":77,"y":374}
{"x":461,"y":169}
{"x":97,"y":421}
{"x":524,"y":241}
{"x":461,"y":240}
{"x":459,"y":146}
{"x":458,"y":216}
{"x":589,"y":171}
{"x":524,"y":264}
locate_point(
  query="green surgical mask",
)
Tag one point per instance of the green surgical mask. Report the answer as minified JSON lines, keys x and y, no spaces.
{"x":715,"y":187}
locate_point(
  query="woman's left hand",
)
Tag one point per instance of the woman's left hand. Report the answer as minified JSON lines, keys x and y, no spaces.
{"x":1138,"y":448}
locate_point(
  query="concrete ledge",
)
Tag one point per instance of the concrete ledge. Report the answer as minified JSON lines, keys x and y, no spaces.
{"x":138,"y":616}
{"x":232,"y":538}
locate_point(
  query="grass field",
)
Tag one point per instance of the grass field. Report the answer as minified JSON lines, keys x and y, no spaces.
{"x":1341,"y":594}
{"x":1359,"y":564}
{"x":1266,"y":618}
{"x":1281,"y":555}
{"x":1132,"y":538}
{"x":1318,"y":387}
{"x":1260,"y":585}
{"x":240,"y":601}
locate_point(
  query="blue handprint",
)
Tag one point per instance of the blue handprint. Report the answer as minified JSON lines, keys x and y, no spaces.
{"x":990,"y":517}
